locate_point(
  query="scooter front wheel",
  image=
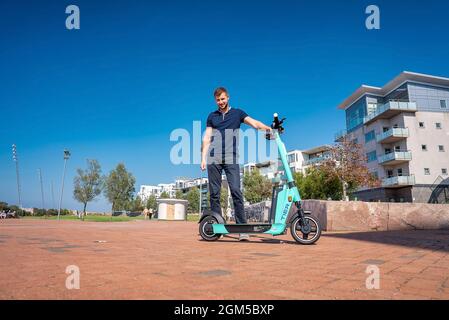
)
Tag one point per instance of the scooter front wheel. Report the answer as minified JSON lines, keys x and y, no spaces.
{"x":206,"y":231}
{"x":306,"y":232}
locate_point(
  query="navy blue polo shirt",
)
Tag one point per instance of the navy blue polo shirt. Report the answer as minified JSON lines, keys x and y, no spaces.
{"x":222,"y":124}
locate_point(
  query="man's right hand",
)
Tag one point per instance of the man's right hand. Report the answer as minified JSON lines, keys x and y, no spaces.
{"x":203,"y":165}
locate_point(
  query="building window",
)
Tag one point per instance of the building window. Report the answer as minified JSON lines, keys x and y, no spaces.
{"x":291,"y":158}
{"x":400,"y":172}
{"x":443,"y":104}
{"x":424,"y":147}
{"x":426,"y":171}
{"x":441,"y":148}
{"x":371,"y":156}
{"x":438,"y":125}
{"x":370,"y":136}
{"x":444,"y":171}
{"x":421,"y":124}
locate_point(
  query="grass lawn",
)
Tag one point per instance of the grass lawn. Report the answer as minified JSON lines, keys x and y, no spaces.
{"x":90,"y":218}
{"x":193,"y":217}
{"x":101,"y":218}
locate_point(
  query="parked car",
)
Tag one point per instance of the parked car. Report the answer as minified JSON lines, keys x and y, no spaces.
{"x":119,"y":213}
{"x":134,"y":214}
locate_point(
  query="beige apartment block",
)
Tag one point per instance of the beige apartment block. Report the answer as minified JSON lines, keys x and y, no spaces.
{"x":404,"y":130}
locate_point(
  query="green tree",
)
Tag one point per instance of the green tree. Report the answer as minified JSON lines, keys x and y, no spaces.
{"x":164,"y":195}
{"x":256,"y":187}
{"x":119,"y":187}
{"x":318,"y":184}
{"x":151,"y":202}
{"x":179,"y":195}
{"x":224,"y":198}
{"x":3,"y":206}
{"x":135,"y":205}
{"x":193,"y":197}
{"x":88,"y":184}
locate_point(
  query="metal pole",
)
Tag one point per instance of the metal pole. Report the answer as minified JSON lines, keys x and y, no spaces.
{"x":52,"y":196}
{"x":66,"y":157}
{"x":201,"y":191}
{"x":42,"y":187}
{"x":16,"y":160}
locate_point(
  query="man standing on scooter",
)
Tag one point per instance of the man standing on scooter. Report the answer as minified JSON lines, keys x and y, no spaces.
{"x":222,"y":136}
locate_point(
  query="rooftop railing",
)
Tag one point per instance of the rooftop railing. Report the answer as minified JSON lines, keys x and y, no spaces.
{"x":390,"y":105}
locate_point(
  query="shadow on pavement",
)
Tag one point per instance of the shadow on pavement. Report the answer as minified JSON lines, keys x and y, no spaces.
{"x":422,"y":239}
{"x":255,"y":240}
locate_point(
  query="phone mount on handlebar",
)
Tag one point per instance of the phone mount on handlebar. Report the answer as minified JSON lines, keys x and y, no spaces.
{"x":277,"y":124}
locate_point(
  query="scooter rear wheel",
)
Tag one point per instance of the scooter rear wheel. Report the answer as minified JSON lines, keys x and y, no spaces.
{"x":303,"y":234}
{"x":205,"y":229}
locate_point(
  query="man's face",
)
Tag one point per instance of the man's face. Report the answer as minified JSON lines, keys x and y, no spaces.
{"x":222,"y":100}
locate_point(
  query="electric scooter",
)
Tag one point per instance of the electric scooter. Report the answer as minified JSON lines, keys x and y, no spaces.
{"x":304,"y":227}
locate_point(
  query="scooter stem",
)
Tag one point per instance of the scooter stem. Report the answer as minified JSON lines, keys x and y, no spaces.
{"x":283,"y":156}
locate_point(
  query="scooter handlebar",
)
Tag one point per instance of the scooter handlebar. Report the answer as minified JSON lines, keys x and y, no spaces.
{"x":277,"y":124}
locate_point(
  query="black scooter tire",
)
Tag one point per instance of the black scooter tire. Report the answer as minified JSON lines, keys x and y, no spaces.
{"x":203,"y":234}
{"x":300,"y":240}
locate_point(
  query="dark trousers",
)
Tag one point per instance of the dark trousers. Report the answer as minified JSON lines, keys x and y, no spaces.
{"x":232,"y":172}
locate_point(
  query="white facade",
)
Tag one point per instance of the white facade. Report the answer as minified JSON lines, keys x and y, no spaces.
{"x":299,"y":160}
{"x":147,"y":190}
{"x":404,"y":130}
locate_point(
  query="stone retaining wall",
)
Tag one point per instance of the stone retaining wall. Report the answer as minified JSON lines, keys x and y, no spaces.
{"x":380,"y":216}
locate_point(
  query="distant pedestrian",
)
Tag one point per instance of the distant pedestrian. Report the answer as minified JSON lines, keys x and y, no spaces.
{"x":145,"y":213}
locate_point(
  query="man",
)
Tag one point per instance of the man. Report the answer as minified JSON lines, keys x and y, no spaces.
{"x":221,"y":128}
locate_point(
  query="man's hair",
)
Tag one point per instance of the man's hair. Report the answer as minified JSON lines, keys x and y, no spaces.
{"x":219,"y":91}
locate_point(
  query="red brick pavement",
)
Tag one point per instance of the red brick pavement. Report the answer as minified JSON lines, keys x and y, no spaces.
{"x":167,"y":260}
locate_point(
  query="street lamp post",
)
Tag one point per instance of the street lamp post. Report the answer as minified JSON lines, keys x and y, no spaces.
{"x":16,"y":160}
{"x":66,"y":157}
{"x":52,"y":196}
{"x":39,"y":171}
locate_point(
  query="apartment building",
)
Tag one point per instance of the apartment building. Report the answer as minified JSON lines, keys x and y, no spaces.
{"x":147,"y":190}
{"x":404,"y":130}
{"x":267,"y":168}
{"x":300,"y":161}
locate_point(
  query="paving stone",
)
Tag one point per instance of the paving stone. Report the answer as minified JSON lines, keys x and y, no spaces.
{"x":168,"y":260}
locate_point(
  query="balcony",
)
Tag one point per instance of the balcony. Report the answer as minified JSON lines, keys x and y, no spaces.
{"x":394,"y":158}
{"x":399,"y":181}
{"x":315,"y":161}
{"x":390,"y":109}
{"x":392,"y":135}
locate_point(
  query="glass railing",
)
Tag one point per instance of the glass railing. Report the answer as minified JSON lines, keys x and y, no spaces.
{"x":315,"y":160}
{"x":399,"y":180}
{"x":396,"y":155}
{"x":393,"y":132}
{"x":391,"y":105}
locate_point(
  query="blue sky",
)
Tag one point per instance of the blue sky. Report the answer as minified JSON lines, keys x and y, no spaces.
{"x":136,"y":70}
